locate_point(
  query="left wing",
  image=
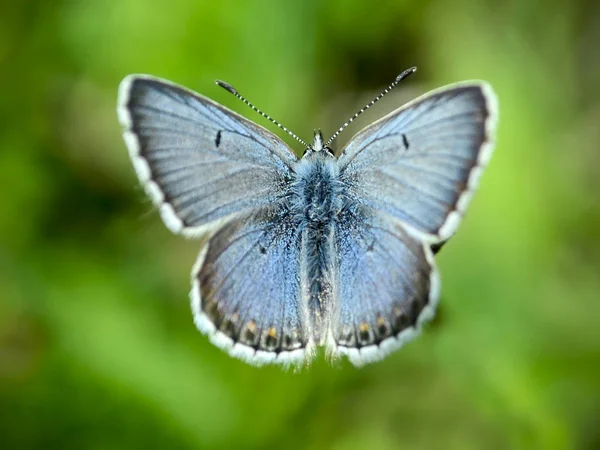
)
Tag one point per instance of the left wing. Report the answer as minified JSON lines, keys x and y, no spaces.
{"x":246,"y":293}
{"x":201,"y":163}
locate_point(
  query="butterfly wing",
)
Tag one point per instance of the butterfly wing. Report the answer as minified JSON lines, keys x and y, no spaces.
{"x":421,"y":164}
{"x":246,"y":292}
{"x":199,"y":162}
{"x":388,"y":286}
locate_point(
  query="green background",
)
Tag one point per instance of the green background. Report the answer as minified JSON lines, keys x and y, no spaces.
{"x":97,"y":345}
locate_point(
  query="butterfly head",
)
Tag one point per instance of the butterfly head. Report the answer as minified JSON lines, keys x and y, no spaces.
{"x":318,"y":145}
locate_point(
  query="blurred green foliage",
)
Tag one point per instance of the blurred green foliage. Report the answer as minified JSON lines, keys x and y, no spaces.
{"x":97,"y":345}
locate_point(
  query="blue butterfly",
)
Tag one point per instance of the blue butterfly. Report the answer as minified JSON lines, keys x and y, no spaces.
{"x":318,"y":251}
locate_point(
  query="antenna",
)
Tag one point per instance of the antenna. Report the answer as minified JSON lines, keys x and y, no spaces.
{"x":234,"y":91}
{"x":398,"y":79}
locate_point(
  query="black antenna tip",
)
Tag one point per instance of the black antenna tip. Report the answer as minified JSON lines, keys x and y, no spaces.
{"x":404,"y":74}
{"x":226,"y":86}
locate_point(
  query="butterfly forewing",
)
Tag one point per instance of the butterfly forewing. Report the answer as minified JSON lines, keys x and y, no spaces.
{"x":199,"y":162}
{"x":421,"y":163}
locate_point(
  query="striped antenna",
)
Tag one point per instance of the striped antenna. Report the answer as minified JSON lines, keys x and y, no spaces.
{"x":398,"y":79}
{"x":234,"y":91}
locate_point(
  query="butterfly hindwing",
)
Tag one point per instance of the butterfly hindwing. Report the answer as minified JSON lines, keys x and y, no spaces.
{"x":388,"y":286}
{"x":246,"y":291}
{"x":421,"y":163}
{"x":199,"y":162}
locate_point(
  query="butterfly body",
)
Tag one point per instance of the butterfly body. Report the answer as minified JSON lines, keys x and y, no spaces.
{"x":318,"y":201}
{"x":318,"y":251}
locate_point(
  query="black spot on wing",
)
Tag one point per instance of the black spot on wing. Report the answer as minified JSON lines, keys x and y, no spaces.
{"x":218,"y":139}
{"x":405,"y":141}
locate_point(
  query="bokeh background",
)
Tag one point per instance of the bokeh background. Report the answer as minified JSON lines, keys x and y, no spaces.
{"x":97,"y":345}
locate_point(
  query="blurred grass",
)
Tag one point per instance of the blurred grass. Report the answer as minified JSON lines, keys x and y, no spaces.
{"x":97,"y":346}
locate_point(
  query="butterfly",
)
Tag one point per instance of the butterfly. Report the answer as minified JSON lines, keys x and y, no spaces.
{"x":318,"y":251}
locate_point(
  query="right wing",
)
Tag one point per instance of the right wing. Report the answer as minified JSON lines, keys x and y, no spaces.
{"x":387,"y":287}
{"x":421,"y":163}
{"x":199,"y":162}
